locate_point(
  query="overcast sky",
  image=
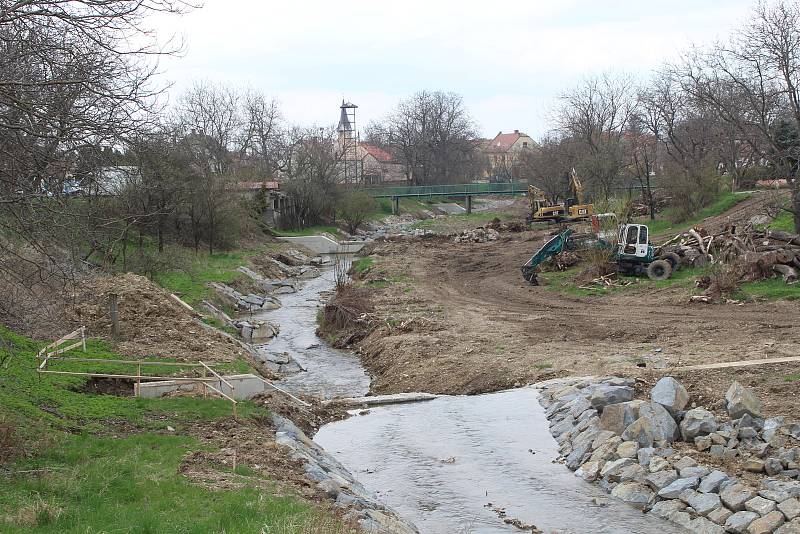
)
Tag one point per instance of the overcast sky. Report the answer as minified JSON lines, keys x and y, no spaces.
{"x":509,"y":60}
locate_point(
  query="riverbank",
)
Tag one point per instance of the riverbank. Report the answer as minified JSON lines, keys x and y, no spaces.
{"x":678,"y":461}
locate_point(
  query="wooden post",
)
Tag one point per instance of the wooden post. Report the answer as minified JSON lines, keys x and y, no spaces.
{"x":112,"y":309}
{"x":205,"y":389}
{"x":234,"y":459}
{"x":469,"y":204}
{"x":83,"y":337}
{"x":139,"y":380}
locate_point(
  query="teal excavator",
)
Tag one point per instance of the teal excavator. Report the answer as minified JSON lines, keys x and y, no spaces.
{"x":633,"y":253}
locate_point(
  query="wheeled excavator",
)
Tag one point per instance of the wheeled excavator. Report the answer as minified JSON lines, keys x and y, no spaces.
{"x":633,"y":254}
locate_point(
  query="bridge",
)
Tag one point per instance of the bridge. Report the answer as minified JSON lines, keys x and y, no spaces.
{"x":451,"y":190}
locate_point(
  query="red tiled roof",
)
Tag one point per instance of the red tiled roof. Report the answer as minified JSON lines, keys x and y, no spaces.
{"x":503,"y":142}
{"x":377,"y":153}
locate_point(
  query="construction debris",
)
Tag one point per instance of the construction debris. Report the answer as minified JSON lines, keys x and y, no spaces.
{"x":606,"y":281}
{"x":478,"y":235}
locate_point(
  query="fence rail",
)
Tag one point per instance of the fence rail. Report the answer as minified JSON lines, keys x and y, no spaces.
{"x":503,"y":188}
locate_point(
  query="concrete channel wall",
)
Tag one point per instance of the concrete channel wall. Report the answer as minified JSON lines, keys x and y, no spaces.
{"x":320,"y":244}
{"x":244,"y":387}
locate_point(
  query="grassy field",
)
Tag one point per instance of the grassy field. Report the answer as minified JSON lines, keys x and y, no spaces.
{"x":83,"y":462}
{"x":663,"y":224}
{"x":770,"y":289}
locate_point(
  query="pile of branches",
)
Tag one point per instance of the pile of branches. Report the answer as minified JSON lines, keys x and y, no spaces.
{"x":757,"y":254}
{"x":348,"y":316}
{"x":606,"y":281}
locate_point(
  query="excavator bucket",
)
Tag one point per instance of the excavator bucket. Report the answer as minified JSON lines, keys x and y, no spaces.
{"x":548,"y":250}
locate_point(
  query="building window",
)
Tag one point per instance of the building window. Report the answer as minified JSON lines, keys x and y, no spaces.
{"x":524,"y":144}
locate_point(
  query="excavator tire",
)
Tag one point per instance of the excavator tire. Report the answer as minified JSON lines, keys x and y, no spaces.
{"x":659,"y":270}
{"x":673,"y":259}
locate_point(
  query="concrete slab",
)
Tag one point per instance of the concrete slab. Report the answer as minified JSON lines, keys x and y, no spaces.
{"x":244,"y":387}
{"x":383,"y":400}
{"x":451,"y":208}
{"x":320,"y":244}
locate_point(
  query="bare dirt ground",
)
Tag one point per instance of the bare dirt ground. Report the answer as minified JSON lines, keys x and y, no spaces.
{"x":460,"y":319}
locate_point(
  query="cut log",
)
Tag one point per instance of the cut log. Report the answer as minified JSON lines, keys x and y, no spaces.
{"x":786,"y":237}
{"x":789,"y":273}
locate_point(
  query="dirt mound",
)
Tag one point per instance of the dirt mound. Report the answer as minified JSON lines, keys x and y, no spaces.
{"x":308,"y":419}
{"x":151,"y":323}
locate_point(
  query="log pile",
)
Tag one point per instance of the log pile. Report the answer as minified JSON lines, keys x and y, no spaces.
{"x":758,"y":253}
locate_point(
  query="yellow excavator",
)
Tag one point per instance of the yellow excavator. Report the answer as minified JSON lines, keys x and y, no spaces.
{"x":572,"y":209}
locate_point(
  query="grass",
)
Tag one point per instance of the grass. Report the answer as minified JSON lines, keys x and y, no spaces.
{"x":770,"y":289}
{"x":82,"y":473}
{"x":191,"y":280}
{"x":543,"y":365}
{"x":663,"y":224}
{"x":362,"y":264}
{"x":784,"y":222}
{"x":132,"y":484}
{"x":563,"y":281}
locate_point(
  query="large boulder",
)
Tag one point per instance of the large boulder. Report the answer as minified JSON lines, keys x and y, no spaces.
{"x":604,"y":395}
{"x":674,"y":490}
{"x":664,"y":426}
{"x":697,"y":422}
{"x":671,"y":394}
{"x":640,"y":431}
{"x":736,"y":495}
{"x":741,"y":400}
{"x":617,"y":417}
{"x":738,"y":522}
{"x":635,"y":494}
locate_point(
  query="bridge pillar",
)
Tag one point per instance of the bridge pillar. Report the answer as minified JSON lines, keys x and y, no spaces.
{"x":469,"y":204}
{"x":395,"y":205}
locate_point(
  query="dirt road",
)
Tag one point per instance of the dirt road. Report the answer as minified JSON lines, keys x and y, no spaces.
{"x":460,"y":319}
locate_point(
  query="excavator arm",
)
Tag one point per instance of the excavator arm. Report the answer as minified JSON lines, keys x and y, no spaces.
{"x":548,"y":250}
{"x":576,"y":186}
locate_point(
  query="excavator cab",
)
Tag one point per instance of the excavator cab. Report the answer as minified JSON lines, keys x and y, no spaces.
{"x":634,"y":242}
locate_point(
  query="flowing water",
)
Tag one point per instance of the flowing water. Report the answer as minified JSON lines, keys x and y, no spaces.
{"x":451,"y":464}
{"x":329,"y":372}
{"x":447,"y":465}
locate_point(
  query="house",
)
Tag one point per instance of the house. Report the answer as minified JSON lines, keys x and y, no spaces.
{"x":503,"y":154}
{"x":378,"y":165}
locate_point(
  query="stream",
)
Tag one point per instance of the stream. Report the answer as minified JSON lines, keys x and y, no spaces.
{"x":329,"y":372}
{"x":454,"y":464}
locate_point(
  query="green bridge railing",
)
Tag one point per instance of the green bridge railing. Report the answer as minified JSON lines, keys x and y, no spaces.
{"x":448,"y":190}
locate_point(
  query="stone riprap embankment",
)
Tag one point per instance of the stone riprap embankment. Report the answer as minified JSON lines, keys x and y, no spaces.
{"x":339,"y":484}
{"x":626,"y":446}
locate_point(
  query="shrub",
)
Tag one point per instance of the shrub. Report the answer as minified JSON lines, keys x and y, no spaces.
{"x":355,"y":208}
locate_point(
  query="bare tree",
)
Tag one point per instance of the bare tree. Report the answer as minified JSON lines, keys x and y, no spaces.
{"x":595,"y":114}
{"x":73,"y":76}
{"x":431,"y":133}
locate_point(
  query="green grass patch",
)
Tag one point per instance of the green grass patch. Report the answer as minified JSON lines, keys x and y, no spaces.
{"x":132,"y":484}
{"x":664,"y":224}
{"x":191,"y":280}
{"x":791,"y":378}
{"x":79,"y":475}
{"x":783,"y":222}
{"x":770,"y":289}
{"x":543,"y":365}
{"x":362,"y":264}
{"x":58,"y":401}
